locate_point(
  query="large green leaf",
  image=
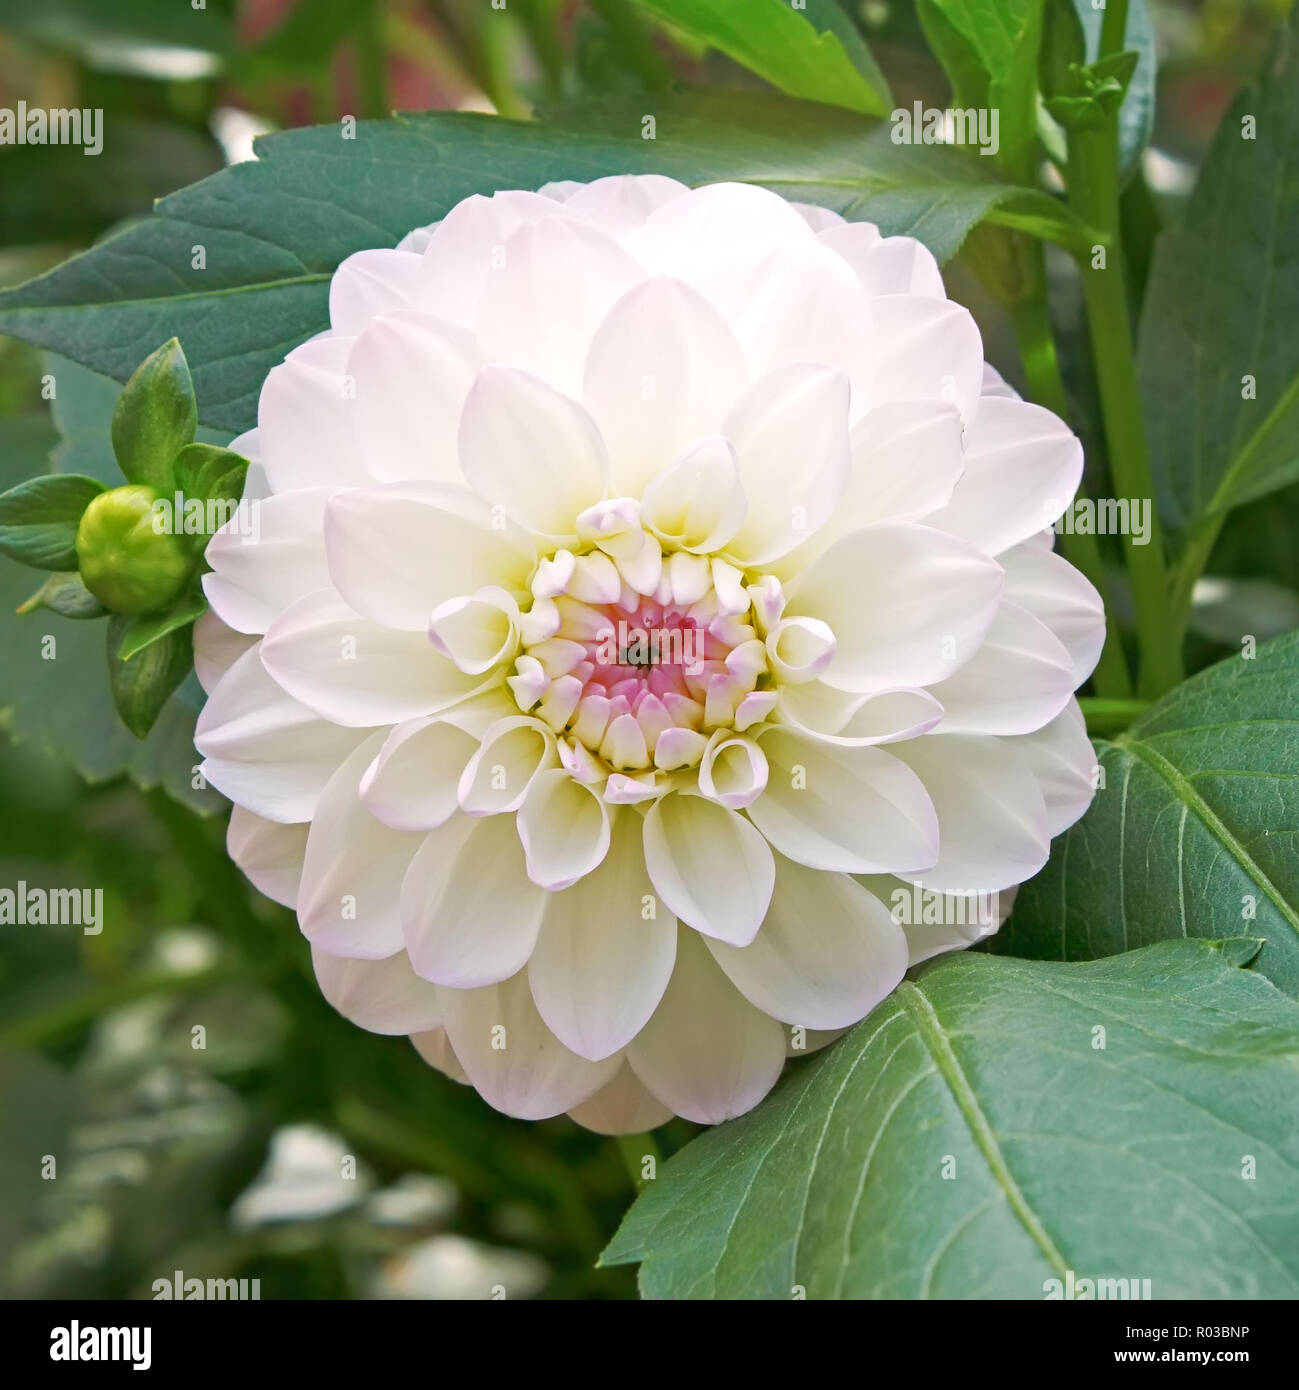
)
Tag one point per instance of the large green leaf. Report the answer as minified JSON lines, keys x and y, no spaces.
{"x":998,"y":1123}
{"x":1194,"y":832}
{"x":1222,"y":312}
{"x":989,"y":51}
{"x":63,"y":703}
{"x":274,"y":229}
{"x":811,"y":52}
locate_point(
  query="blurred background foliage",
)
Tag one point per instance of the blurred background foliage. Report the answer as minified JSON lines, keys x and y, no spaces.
{"x":229,"y":1159}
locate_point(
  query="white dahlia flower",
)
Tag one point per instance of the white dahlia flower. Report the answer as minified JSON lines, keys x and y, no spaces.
{"x":650,"y":630}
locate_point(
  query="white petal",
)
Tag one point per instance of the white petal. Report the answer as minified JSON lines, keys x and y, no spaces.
{"x":467,"y":247}
{"x":1061,"y":597}
{"x":304,"y":419}
{"x":927,"y":347}
{"x":798,"y":303}
{"x":396,"y":551}
{"x":352,"y":671}
{"x":799,"y":412}
{"x":411,"y":373}
{"x":478,"y":631}
{"x":369,"y":283}
{"x":994,"y":384}
{"x":907,"y":456}
{"x":709,"y":228}
{"x":1020,"y":678}
{"x":412,"y":783}
{"x":935,"y":922}
{"x":992,"y":822}
{"x":600,"y":966}
{"x":732,"y":771}
{"x":622,"y":201}
{"x":513,"y":751}
{"x":818,"y":218}
{"x":269,"y":854}
{"x":889,"y":265}
{"x":834,"y":716}
{"x":799,"y":649}
{"x":254,"y":580}
{"x":854,"y":810}
{"x":1022,"y":467}
{"x":383,"y":996}
{"x":217,"y":647}
{"x":707,"y":1052}
{"x":512,"y":1058}
{"x":263,"y":749}
{"x":709,"y":866}
{"x":1061,"y":757}
{"x":435,"y":1048}
{"x":469,"y":914}
{"x":697,"y":502}
{"x":559,"y":278}
{"x":662,"y":370}
{"x":536,"y":453}
{"x":828,"y":951}
{"x":564,"y":827}
{"x":907,"y":605}
{"x":622,"y":1106}
{"x":351,"y":878}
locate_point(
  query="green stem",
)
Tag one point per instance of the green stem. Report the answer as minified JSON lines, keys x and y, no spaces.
{"x":1114,"y":28}
{"x":1046,"y":386}
{"x":635,"y":1149}
{"x":371,"y":66}
{"x":1094,"y":193}
{"x":634,"y":38}
{"x":1195,"y":559}
{"x":1105,"y":717}
{"x":541,"y":23}
{"x":483,"y":50}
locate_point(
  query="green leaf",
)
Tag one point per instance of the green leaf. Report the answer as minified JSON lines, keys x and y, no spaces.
{"x":1137,"y":116}
{"x":54,"y":692}
{"x":988,"y":49}
{"x":996,"y":1124}
{"x":141,"y":686}
{"x":65,"y":594}
{"x":138,"y":634}
{"x":1219,"y":350}
{"x":813,"y":52}
{"x":275,"y":228}
{"x":38,"y":520}
{"x":1191,"y":834}
{"x":155,"y":418}
{"x":209,"y":473}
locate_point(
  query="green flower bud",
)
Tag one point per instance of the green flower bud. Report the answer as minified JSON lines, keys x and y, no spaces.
{"x":126,"y":562}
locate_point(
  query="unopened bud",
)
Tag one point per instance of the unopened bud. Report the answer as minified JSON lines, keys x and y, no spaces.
{"x":125,"y":561}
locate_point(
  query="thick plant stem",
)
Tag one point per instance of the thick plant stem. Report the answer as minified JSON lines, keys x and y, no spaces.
{"x":482,"y":47}
{"x":635,"y":1149}
{"x":371,"y":65}
{"x":1107,"y":717}
{"x":1045,"y":386}
{"x":1114,"y":28}
{"x":1094,"y":192}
